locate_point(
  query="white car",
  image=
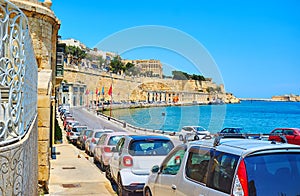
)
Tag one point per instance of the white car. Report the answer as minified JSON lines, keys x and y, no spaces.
{"x":102,"y":151}
{"x":93,"y":139}
{"x":192,"y":133}
{"x":75,"y":132}
{"x":133,"y":158}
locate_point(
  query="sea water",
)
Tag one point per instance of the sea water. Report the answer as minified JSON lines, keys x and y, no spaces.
{"x":253,"y":116}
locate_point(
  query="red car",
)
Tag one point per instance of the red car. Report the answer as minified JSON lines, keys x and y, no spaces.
{"x":291,"y":134}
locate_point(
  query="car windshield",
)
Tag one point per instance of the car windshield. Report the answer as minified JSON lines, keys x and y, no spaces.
{"x":273,"y":174}
{"x":199,"y":129}
{"x":153,"y":147}
{"x":231,"y":130}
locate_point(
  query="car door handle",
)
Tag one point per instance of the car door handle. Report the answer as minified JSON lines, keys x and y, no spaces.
{"x":174,"y":187}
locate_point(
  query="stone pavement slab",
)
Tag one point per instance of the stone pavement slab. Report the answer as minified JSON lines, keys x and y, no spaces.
{"x":72,"y":173}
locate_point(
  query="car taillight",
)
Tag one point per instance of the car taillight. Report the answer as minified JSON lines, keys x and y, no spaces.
{"x":240,"y":187}
{"x":127,"y":161}
{"x":106,"y":149}
{"x":93,"y":140}
{"x":71,"y":133}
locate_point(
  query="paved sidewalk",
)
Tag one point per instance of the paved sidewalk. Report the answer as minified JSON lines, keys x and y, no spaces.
{"x":72,"y":173}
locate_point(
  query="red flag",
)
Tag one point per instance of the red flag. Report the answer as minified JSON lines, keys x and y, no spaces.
{"x":110,"y":90}
{"x":96,"y":91}
{"x":87,"y":92}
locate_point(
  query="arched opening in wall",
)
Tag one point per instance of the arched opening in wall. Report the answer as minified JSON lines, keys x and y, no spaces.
{"x":39,"y":62}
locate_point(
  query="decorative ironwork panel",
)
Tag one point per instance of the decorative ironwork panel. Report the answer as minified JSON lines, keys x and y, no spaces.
{"x":18,"y":75}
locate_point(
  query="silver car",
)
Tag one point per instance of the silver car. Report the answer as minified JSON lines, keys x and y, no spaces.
{"x":192,"y":133}
{"x":231,"y":166}
{"x":75,"y":132}
{"x":93,"y":139}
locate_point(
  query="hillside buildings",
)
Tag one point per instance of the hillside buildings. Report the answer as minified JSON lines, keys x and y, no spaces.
{"x":148,"y":67}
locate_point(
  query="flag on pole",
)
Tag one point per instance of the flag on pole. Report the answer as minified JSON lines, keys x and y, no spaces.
{"x":110,"y":91}
{"x":102,"y":90}
{"x":96,"y":91}
{"x":87,"y":92}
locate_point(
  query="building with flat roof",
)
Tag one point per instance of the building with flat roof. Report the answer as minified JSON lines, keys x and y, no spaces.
{"x":73,"y":42}
{"x":148,"y":67}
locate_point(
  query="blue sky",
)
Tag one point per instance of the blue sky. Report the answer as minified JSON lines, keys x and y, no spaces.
{"x":255,"y":44}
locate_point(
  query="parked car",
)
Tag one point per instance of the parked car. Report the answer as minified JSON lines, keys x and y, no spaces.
{"x":229,"y":130}
{"x":93,"y":138}
{"x":192,"y":133}
{"x":102,"y":151}
{"x":66,"y":120}
{"x":132,"y":159}
{"x":292,"y":135}
{"x":227,"y":166}
{"x":82,"y":138}
{"x":70,"y":126}
{"x":75,"y":132}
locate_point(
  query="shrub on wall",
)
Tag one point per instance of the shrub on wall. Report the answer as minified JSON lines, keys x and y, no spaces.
{"x":58,"y":132}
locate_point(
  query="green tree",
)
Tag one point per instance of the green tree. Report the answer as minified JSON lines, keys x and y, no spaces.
{"x":133,"y":70}
{"x":76,"y":54}
{"x":116,"y":65}
{"x":179,"y":75}
{"x":198,"y":77}
{"x":101,"y":61}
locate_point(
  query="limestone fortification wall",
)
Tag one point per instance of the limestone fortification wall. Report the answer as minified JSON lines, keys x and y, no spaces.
{"x":132,"y":88}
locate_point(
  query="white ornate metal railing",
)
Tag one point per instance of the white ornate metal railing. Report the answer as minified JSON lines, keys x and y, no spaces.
{"x":18,"y":75}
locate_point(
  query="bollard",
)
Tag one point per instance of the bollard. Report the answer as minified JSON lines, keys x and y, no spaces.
{"x":108,"y":118}
{"x":124,"y":124}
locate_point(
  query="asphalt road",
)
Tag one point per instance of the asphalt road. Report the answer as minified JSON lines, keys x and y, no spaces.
{"x":91,"y":120}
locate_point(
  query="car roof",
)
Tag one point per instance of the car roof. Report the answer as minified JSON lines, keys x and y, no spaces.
{"x":116,"y":133}
{"x":103,"y":130}
{"x":80,"y":126}
{"x":244,"y":147}
{"x":233,"y":128}
{"x":297,"y":129}
{"x":193,"y":126}
{"x":149,"y":137}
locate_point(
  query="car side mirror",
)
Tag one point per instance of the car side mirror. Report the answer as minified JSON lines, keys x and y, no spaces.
{"x":155,"y":169}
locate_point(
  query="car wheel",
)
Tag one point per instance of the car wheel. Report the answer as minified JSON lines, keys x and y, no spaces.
{"x":121,"y":190}
{"x":95,"y":160}
{"x":108,"y":174}
{"x":196,"y":137}
{"x":147,"y":192}
{"x":181,"y":137}
{"x":102,"y":166}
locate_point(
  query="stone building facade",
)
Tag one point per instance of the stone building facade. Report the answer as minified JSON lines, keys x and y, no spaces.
{"x":44,"y":26}
{"x":148,"y":66}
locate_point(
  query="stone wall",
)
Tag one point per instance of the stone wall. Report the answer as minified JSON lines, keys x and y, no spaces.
{"x":43,"y":26}
{"x":136,"y":89}
{"x":18,"y":173}
{"x":44,"y":117}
